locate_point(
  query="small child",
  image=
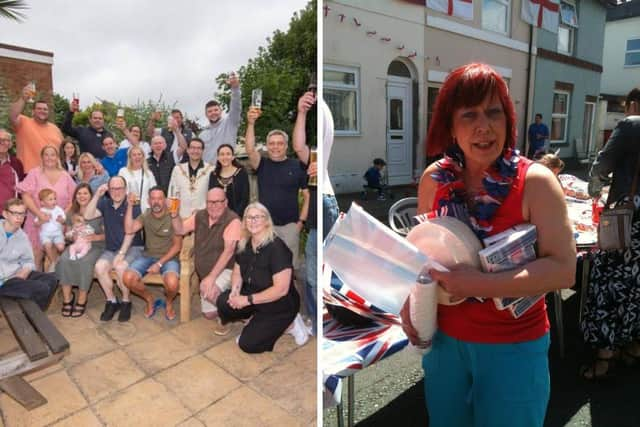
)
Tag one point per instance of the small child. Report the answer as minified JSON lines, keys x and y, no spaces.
{"x":51,"y":235}
{"x":552,"y":162}
{"x":79,"y":232}
{"x":373,"y":175}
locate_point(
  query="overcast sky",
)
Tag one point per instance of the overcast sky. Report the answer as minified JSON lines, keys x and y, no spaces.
{"x":125,"y":50}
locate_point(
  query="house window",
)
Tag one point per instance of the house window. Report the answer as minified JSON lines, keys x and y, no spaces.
{"x":495,"y":15}
{"x":559,"y":116}
{"x":342,"y":94}
{"x":567,"y":27}
{"x":632,"y":53}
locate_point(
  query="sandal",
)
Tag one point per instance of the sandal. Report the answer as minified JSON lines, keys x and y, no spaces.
{"x":67,"y":307}
{"x":80,"y":309}
{"x":591,"y":373}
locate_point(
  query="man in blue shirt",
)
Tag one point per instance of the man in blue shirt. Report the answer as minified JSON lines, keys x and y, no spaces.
{"x":538,"y":135}
{"x":110,"y":161}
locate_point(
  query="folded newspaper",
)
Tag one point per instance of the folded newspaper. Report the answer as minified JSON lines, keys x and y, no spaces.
{"x":505,"y":251}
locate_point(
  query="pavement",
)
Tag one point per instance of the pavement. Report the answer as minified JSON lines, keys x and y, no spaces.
{"x":154,"y":372}
{"x":391,"y":392}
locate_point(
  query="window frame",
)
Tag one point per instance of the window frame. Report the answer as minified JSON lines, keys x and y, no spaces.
{"x":346,"y":88}
{"x":559,"y":115}
{"x":507,"y":18}
{"x":570,"y":28}
{"x":627,"y":51}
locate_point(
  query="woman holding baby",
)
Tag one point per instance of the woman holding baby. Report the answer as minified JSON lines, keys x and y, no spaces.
{"x":487,"y":368}
{"x":75,"y":267}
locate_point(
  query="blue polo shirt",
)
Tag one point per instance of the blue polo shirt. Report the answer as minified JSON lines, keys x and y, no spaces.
{"x":113,"y":220}
{"x":538,"y":143}
{"x":278,"y":185}
{"x":113,"y":164}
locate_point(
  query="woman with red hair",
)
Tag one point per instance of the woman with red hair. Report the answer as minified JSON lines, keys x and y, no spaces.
{"x":486,"y":367}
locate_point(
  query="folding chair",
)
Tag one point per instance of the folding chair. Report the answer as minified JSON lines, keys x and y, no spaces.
{"x":401,"y":215}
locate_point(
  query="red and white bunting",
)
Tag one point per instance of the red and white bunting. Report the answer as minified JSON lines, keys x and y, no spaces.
{"x":458,"y":8}
{"x":541,"y":13}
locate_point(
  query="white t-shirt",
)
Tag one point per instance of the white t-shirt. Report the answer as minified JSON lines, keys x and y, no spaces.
{"x":52,"y":226}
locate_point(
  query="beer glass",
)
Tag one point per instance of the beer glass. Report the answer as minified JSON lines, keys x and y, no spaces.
{"x":313,"y":158}
{"x":76,"y":99}
{"x":32,"y":91}
{"x":174,"y":201}
{"x":313,"y":84}
{"x":120,"y":116}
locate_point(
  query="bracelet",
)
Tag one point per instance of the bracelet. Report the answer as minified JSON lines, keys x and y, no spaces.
{"x":250,"y":299}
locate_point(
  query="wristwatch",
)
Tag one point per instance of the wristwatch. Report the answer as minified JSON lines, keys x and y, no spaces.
{"x":159,"y":264}
{"x":250,"y":299}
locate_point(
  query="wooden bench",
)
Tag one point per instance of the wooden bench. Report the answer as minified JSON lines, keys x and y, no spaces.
{"x":188,"y":278}
{"x":41,"y":343}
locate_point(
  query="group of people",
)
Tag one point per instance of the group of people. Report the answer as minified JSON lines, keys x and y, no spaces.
{"x":94,"y":206}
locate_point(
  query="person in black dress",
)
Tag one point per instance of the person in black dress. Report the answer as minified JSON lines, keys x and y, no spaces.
{"x":231,"y":176}
{"x":262,"y":287}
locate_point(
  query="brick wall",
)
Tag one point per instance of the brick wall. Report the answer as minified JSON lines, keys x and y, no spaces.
{"x":16,"y":73}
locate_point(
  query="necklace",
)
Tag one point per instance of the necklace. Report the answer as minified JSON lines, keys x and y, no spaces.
{"x":475,"y":208}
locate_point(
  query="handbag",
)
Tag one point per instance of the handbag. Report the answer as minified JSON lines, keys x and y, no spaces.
{"x":614,"y":229}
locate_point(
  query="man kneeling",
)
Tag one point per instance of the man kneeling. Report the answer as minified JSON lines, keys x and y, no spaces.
{"x":161,"y":249}
{"x":217,"y":231}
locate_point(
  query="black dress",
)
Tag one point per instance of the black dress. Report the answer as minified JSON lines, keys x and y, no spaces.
{"x":236,"y":187}
{"x":270,"y":320}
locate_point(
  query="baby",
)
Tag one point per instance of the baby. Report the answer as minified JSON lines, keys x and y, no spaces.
{"x":79,"y":232}
{"x":51,"y":235}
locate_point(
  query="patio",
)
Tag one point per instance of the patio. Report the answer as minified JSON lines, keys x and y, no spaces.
{"x":152,"y":372}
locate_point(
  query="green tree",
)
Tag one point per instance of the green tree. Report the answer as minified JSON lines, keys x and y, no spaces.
{"x":60,"y":108}
{"x":282,"y":70}
{"x":11,"y":9}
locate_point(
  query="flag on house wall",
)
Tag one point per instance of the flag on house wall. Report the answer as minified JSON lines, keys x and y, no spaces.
{"x":459,"y":8}
{"x":541,"y":13}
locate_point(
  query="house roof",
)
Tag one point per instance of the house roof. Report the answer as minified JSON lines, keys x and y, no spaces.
{"x":626,"y":10}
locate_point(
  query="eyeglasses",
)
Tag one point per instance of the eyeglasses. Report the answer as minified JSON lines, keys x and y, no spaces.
{"x":116,"y":188}
{"x":216,"y":202}
{"x":17,"y":213}
{"x":255,"y":218}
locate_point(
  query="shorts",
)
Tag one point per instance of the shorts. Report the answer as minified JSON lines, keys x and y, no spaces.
{"x":141,"y":264}
{"x":55,"y":237}
{"x":223,"y":282}
{"x":133,"y":253}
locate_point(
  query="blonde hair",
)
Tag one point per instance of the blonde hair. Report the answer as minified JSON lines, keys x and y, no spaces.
{"x":551,"y":161}
{"x":270,"y":233}
{"x":145,"y":167}
{"x":55,"y":150}
{"x":89,"y":156}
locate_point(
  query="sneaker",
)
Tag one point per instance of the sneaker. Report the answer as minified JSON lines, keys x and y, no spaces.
{"x":110,"y":309}
{"x":221,"y":330}
{"x":299,"y":330}
{"x":125,"y":311}
{"x":381,"y":197}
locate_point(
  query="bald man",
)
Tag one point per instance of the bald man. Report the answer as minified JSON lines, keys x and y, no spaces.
{"x":217,"y":231}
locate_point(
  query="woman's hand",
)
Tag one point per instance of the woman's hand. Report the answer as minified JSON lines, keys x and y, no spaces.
{"x":458,"y":282}
{"x":238,"y":302}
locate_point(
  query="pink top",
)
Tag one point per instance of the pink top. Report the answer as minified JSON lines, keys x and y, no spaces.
{"x":35,"y":181}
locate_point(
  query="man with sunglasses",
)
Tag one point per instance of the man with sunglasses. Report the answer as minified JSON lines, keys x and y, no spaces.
{"x":217,"y":231}
{"x":17,"y":276}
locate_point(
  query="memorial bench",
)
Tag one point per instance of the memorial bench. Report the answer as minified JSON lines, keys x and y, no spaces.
{"x":41,"y":345}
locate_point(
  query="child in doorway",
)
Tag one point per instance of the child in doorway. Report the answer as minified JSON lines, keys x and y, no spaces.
{"x":51,"y":235}
{"x":373,"y":175}
{"x":79,"y":232}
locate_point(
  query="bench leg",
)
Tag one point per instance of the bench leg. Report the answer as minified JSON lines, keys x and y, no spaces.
{"x":22,"y":392}
{"x":351,"y":399}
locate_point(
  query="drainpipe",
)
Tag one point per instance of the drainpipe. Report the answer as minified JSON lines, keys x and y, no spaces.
{"x":526,"y":103}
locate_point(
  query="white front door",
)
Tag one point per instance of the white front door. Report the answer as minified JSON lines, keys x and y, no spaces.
{"x":399,"y":144}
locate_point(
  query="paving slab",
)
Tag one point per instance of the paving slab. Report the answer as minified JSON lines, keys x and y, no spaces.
{"x":240,"y":364}
{"x":105,"y":375}
{"x":245,"y":407}
{"x":84,"y":418}
{"x":198,"y":382}
{"x":159,"y":352}
{"x":147,"y":403}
